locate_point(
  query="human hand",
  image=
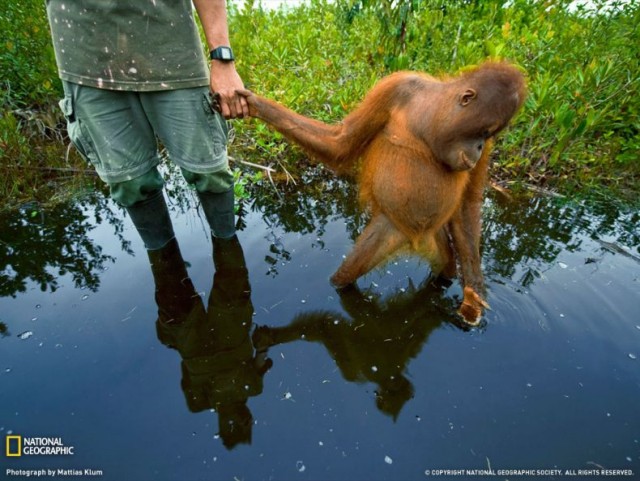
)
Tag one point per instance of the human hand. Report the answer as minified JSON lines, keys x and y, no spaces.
{"x":225,"y":82}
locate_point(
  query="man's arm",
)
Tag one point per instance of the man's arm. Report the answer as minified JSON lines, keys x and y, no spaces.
{"x":225,"y":81}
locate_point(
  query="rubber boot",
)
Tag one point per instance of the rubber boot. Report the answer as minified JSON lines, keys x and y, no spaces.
{"x":218,"y":209}
{"x":152,"y":221}
{"x":231,"y":289}
{"x":175,"y":294}
{"x":228,"y":255}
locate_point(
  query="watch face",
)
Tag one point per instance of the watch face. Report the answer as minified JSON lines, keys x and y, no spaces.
{"x":222,"y":53}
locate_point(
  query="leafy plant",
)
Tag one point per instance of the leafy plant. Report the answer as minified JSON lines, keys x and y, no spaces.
{"x":579,"y":129}
{"x":27,"y":61}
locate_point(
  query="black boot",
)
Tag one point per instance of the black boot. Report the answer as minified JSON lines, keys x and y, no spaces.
{"x":175,"y":294}
{"x":218,"y":209}
{"x":230,"y":308}
{"x":231,"y":280}
{"x":152,"y":221}
{"x":228,"y":255}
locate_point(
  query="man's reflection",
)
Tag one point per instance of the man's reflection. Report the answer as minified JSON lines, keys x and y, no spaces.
{"x":379,"y":341}
{"x":220,"y":369}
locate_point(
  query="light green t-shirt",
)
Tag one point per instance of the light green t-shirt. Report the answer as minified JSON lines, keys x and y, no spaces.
{"x":136,"y":45}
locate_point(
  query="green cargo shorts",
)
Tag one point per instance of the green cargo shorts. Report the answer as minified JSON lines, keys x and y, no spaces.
{"x":117,"y":131}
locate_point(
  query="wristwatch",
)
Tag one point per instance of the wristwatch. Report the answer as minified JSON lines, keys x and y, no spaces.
{"x":224,"y":54}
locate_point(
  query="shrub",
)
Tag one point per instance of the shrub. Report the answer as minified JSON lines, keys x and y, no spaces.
{"x":27,"y":61}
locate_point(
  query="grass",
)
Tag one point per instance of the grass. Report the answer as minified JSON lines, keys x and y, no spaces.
{"x":578,"y":134}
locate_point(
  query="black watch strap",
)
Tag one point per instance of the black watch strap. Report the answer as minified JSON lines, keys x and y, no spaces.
{"x":222,"y":53}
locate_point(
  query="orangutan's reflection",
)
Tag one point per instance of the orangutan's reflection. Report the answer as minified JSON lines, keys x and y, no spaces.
{"x":378,"y":342}
{"x":220,"y":369}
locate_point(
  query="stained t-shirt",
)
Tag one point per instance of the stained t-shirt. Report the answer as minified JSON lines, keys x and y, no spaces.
{"x":137,"y":45}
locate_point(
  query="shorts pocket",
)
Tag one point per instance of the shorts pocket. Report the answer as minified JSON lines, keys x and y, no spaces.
{"x":79,"y":138}
{"x":217,"y":125}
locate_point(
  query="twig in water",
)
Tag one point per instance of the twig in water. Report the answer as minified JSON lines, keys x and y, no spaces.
{"x":251,"y":164}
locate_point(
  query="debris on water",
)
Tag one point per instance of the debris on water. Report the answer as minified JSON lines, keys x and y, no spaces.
{"x":38,"y":306}
{"x":388,"y":460}
{"x":7,"y":370}
{"x":300,"y":466}
{"x":562,"y":265}
{"x":374,"y":368}
{"x":632,"y":356}
{"x":34,"y":318}
{"x":320,"y":443}
{"x":287,"y":396}
{"x":25,"y":335}
{"x":85,"y":297}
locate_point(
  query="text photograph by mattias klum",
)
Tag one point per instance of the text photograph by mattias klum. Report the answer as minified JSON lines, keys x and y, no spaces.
{"x":30,"y":455}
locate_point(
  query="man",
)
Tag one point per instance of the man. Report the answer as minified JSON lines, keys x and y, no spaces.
{"x":221,"y":369}
{"x":134,"y":71}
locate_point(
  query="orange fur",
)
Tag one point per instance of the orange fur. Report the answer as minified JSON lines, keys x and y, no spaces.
{"x":424,"y":146}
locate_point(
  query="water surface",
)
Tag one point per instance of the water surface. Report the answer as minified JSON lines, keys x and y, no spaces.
{"x":379,"y":382}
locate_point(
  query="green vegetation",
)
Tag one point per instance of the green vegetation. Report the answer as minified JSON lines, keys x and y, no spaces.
{"x":36,"y":163}
{"x":578,"y":133}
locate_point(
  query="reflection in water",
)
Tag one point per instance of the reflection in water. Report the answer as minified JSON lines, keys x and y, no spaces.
{"x":551,"y":382}
{"x":309,"y":207}
{"x":525,"y":235}
{"x":379,"y":340}
{"x":220,"y":369}
{"x":40,"y":247}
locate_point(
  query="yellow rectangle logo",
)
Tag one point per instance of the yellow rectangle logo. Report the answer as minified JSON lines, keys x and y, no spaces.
{"x":17,"y":452}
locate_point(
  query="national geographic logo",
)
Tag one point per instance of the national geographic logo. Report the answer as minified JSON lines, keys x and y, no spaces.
{"x":14,"y":446}
{"x":18,"y":446}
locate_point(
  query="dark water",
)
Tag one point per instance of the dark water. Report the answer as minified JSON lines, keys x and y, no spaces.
{"x":376,"y":383}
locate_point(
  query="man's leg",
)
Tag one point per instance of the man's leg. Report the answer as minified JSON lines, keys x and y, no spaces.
{"x":195,"y":136}
{"x":143,"y":199}
{"x":215,"y":192}
{"x":111,"y":130}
